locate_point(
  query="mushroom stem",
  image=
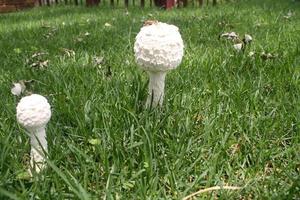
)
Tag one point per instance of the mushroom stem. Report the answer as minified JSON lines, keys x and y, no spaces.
{"x":156,"y":89}
{"x":38,"y":148}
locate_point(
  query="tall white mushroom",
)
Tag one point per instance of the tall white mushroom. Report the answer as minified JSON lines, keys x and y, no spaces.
{"x":33,"y":113}
{"x":158,"y":48}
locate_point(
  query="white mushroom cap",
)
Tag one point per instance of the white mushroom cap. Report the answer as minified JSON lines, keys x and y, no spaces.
{"x":33,"y":111}
{"x":248,"y":38}
{"x":158,"y":47}
{"x":238,"y":46}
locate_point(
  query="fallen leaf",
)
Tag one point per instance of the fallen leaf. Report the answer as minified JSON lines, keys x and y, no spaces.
{"x":81,"y":36}
{"x":50,"y":33}
{"x":34,"y":64}
{"x":37,"y":60}
{"x":198,"y":118}
{"x":235,"y":148}
{"x":94,"y":141}
{"x":17,"y":50}
{"x":38,"y":54}
{"x":43,"y":64}
{"x":229,"y":36}
{"x":191,"y":178}
{"x":150,"y":22}
{"x":267,"y":56}
{"x":68,"y":52}
{"x":225,"y":24}
{"x":146,"y":165}
{"x":107,"y":24}
{"x":23,"y":176}
{"x":268,"y":168}
{"x":128,"y":185}
{"x":79,"y":39}
{"x":98,"y":60}
{"x":251,"y":54}
{"x":46,"y":26}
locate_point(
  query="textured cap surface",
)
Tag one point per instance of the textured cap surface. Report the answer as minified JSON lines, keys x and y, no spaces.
{"x":33,"y":111}
{"x":158,"y":47}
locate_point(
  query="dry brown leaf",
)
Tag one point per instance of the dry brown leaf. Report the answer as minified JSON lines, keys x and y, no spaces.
{"x":211,"y":189}
{"x":235,"y":148}
{"x":150,"y":22}
{"x":107,"y":24}
{"x":267,"y":56}
{"x":68,"y":52}
{"x":37,"y":60}
{"x":229,"y":36}
{"x":98,"y":60}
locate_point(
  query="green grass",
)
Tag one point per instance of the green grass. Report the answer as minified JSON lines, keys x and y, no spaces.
{"x":227,"y":119}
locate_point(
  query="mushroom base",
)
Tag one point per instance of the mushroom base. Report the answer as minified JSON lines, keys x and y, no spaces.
{"x":156,"y":89}
{"x":38,"y":149}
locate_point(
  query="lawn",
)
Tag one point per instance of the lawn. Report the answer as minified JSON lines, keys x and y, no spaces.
{"x":228,"y":118}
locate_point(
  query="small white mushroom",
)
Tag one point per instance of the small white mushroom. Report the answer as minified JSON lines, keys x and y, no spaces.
{"x":158,"y":48}
{"x":18,"y":88}
{"x":33,"y":113}
{"x":238,"y":46}
{"x":247,"y":38}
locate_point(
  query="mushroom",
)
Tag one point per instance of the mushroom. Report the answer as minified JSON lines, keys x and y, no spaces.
{"x":247,"y":39}
{"x":238,"y":47}
{"x":158,"y":48}
{"x":33,"y":113}
{"x":18,"y":88}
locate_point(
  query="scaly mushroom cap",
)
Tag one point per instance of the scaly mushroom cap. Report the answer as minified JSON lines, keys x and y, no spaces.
{"x":158,"y":47}
{"x":33,"y":111}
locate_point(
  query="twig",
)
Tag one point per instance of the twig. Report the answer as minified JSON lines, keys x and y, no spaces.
{"x":211,"y":189}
